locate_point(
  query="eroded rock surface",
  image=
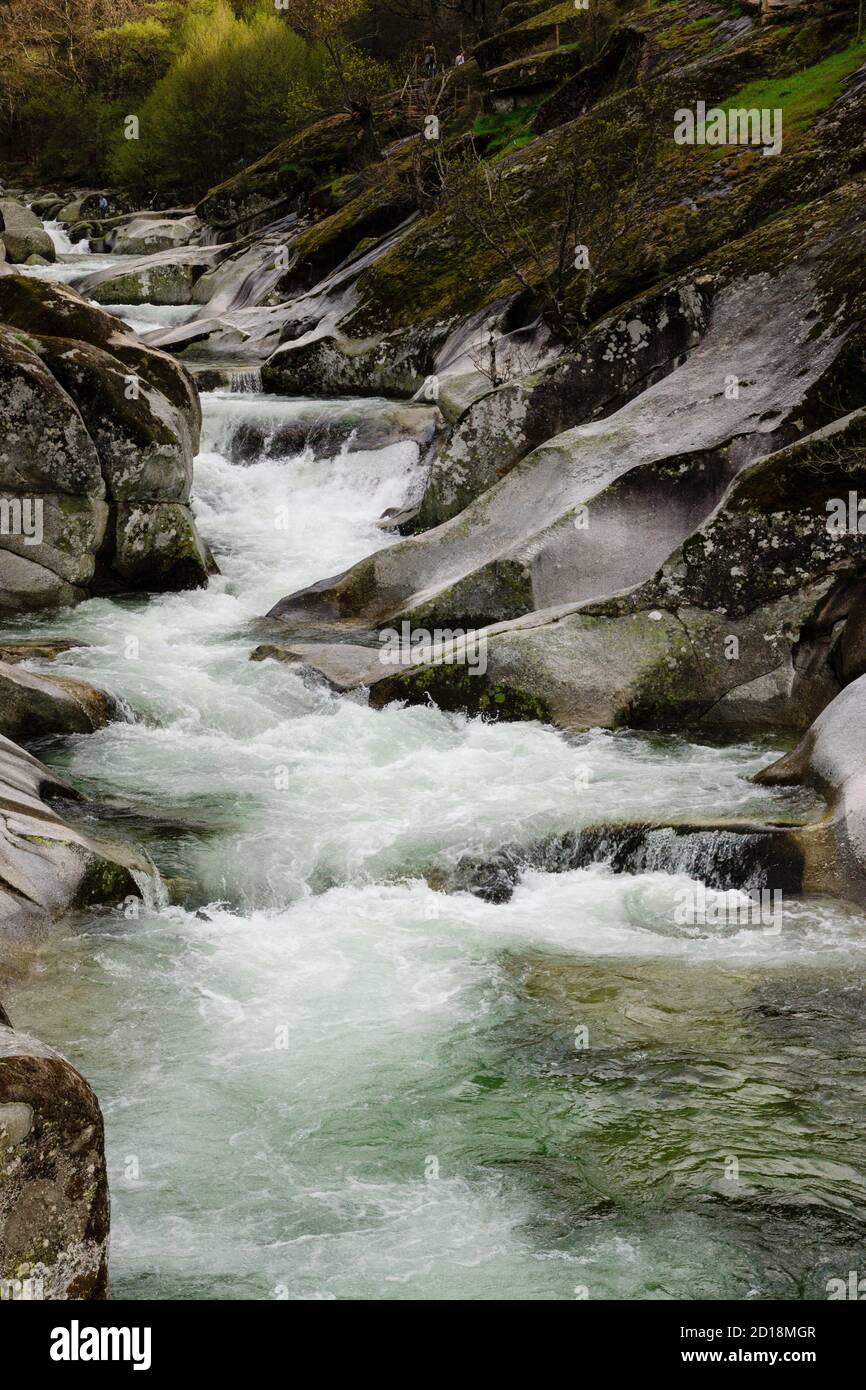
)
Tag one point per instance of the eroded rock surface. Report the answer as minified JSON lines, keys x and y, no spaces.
{"x":46,"y":865}
{"x":832,"y":758}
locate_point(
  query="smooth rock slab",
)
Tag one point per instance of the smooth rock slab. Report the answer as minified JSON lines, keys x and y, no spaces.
{"x":167,"y":277}
{"x":47,"y":866}
{"x":831,"y":757}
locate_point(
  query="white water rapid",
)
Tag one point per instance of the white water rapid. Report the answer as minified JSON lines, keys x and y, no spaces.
{"x":324,"y":1079}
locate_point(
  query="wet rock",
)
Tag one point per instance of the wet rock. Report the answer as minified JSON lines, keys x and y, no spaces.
{"x":22,"y":232}
{"x":37,"y":649}
{"x":324,"y":435}
{"x":32,"y":705}
{"x":46,"y":865}
{"x":54,"y":1203}
{"x":742,"y":855}
{"x":832,"y":758}
{"x":158,"y":547}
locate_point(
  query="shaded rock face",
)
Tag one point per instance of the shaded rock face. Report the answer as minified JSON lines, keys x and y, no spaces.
{"x":54,"y":1204}
{"x":96,"y":451}
{"x":614,"y":361}
{"x":47,"y":866}
{"x":22,"y":233}
{"x":557,"y":528}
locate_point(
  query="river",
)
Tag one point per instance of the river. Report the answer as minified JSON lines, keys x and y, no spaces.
{"x":323,"y":1078}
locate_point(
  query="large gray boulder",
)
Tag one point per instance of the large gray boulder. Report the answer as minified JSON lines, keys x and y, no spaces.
{"x":93,"y":423}
{"x":54,"y":1202}
{"x":753,"y":624}
{"x":22,"y":232}
{"x":142,"y":236}
{"x":596,"y":509}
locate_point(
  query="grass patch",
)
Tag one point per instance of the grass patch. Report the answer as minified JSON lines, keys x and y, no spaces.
{"x":803,"y":95}
{"x":558,"y":14}
{"x":504,"y":131}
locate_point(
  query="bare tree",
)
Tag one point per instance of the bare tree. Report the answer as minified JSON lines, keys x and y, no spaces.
{"x":594,"y":176}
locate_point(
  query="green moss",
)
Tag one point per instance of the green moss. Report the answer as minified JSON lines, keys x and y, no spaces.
{"x":32,"y":343}
{"x":104,"y":882}
{"x":455,"y":689}
{"x":803,"y":95}
{"x":694,"y":35}
{"x":503,"y":131}
{"x":558,"y":14}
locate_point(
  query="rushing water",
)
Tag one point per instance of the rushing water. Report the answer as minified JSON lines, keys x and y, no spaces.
{"x":62,"y":243}
{"x":321,"y":1077}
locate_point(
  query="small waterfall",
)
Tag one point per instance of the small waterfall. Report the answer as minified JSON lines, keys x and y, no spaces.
{"x":62,"y":245}
{"x":246,"y":381}
{"x":154,"y":893}
{"x":743,"y":857}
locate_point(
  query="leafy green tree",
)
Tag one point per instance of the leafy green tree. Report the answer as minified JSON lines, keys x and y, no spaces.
{"x":220,"y":104}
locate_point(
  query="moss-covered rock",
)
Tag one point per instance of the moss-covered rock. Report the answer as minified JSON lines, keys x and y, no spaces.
{"x":143,"y":442}
{"x":157,"y":547}
{"x":54,"y":1203}
{"x":94,"y":422}
{"x":40,"y":308}
{"x":23,"y":233}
